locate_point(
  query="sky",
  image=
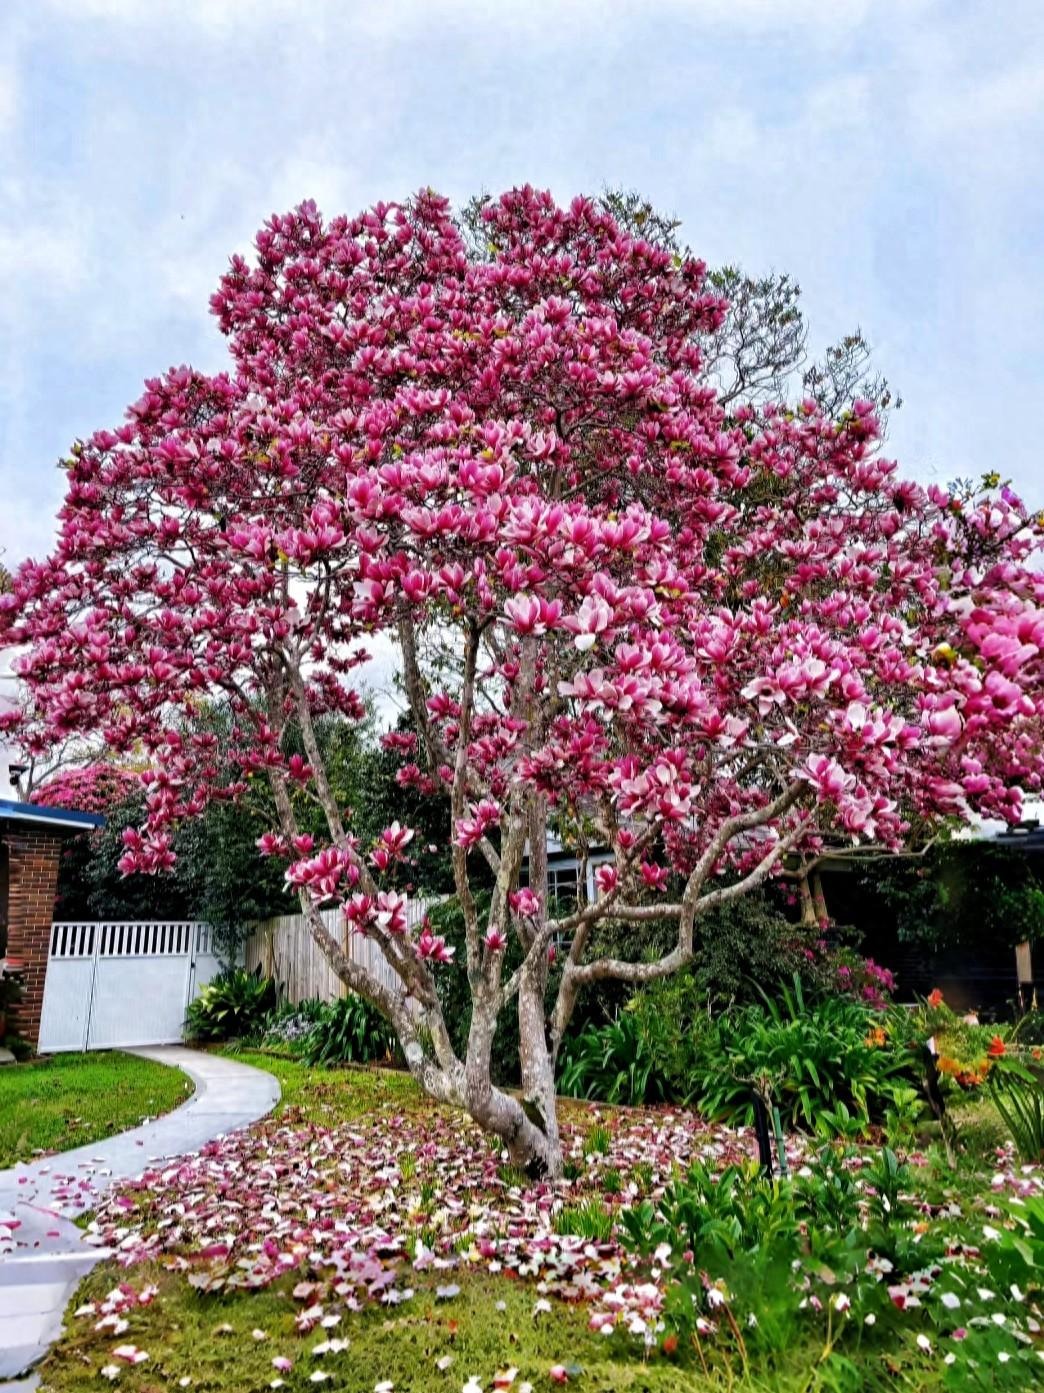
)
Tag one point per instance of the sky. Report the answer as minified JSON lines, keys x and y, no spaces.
{"x":886,"y":153}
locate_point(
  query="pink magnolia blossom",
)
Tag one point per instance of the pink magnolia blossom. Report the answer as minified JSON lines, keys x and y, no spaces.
{"x":434,"y":948}
{"x":706,"y":635}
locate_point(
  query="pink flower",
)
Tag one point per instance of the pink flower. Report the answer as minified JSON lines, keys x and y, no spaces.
{"x":525,"y":902}
{"x":592,"y":619}
{"x":944,"y":724}
{"x":390,"y":912}
{"x":396,"y":838}
{"x":607,"y":878}
{"x":529,"y":614}
{"x":827,"y":777}
{"x":495,"y":941}
{"x":434,"y":948}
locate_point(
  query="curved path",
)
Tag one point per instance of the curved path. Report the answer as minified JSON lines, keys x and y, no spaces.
{"x":42,"y":1252}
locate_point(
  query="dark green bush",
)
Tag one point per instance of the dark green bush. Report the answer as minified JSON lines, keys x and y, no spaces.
{"x":620,"y":1062}
{"x":231,"y":1006}
{"x":348,"y":1031}
{"x":808,"y":1057}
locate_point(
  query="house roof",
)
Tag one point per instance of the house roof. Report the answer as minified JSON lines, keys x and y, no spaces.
{"x":67,"y":818}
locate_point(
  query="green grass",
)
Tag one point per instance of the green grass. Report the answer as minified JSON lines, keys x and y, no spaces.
{"x":332,"y":1094}
{"x":71,"y":1100}
{"x":489,"y":1326}
{"x":207,"y":1342}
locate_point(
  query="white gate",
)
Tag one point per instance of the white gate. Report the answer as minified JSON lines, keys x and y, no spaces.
{"x":122,"y":984}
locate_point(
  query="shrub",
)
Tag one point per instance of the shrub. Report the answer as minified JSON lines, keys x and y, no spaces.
{"x":806,"y":1057}
{"x":619,"y":1062}
{"x":348,"y":1031}
{"x":744,"y":945}
{"x":290,"y":1022}
{"x":233,"y":1005}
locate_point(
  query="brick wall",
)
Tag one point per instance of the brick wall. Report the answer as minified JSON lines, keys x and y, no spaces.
{"x":32,"y":883}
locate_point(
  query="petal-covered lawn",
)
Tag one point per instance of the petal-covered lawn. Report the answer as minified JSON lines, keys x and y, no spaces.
{"x":300,"y":1244}
{"x":362,"y":1206}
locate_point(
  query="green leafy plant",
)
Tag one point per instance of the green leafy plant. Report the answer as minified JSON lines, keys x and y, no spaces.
{"x":807,"y":1057}
{"x":589,"y":1219}
{"x":616,"y":1063}
{"x":232,"y":1006}
{"x":348,"y":1031}
{"x":598,"y":1141}
{"x":1020,"y":1103}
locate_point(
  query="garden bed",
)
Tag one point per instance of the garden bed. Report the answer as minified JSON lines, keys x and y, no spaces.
{"x":362,"y":1236}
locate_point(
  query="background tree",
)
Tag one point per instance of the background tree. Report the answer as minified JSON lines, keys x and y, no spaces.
{"x":705,"y":636}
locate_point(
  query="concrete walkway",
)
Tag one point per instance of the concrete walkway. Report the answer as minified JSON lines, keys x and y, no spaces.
{"x":43,"y":1254}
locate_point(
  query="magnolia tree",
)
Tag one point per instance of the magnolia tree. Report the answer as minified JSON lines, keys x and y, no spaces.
{"x":705,"y":637}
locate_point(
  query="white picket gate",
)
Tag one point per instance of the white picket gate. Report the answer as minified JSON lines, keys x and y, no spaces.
{"x":111,"y":985}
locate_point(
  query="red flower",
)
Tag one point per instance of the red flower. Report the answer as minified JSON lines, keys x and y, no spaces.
{"x":996,"y":1048}
{"x":935,"y":998}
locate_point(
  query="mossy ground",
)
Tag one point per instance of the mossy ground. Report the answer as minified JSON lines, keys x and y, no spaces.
{"x":206,"y":1341}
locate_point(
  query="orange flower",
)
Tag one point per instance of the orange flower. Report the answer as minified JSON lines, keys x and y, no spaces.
{"x":935,"y":998}
{"x":877,"y":1037}
{"x":996,"y":1048}
{"x":946,"y":1065}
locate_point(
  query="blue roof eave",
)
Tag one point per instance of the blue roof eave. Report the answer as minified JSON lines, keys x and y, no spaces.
{"x":49,"y":817}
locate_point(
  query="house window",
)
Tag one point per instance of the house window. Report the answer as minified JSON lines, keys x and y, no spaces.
{"x":563,"y":885}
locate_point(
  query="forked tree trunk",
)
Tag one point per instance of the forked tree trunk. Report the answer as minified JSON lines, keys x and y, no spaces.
{"x":537,"y":1069}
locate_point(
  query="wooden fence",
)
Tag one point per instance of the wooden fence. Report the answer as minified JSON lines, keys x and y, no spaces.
{"x":284,"y":949}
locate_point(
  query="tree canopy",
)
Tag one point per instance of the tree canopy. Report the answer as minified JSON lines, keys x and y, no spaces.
{"x":701,"y":633}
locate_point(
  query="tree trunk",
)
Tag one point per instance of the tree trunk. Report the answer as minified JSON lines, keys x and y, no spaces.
{"x":538,"y":1074}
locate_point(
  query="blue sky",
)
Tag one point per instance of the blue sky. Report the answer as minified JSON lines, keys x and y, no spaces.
{"x":887,"y":154}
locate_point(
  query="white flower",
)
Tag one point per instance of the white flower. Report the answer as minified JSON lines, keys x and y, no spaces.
{"x":473,"y":1385}
{"x":950,"y":1300}
{"x":1003,"y":1356}
{"x":988,"y":1231}
{"x":842,"y":1302}
{"x":998,"y":1317}
{"x":924,"y":1342}
{"x":110,"y":1371}
{"x":871,"y":1319}
{"x":319,"y":1376}
{"x":444,"y":1362}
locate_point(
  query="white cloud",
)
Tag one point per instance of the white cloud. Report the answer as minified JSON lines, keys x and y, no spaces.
{"x":884,"y":154}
